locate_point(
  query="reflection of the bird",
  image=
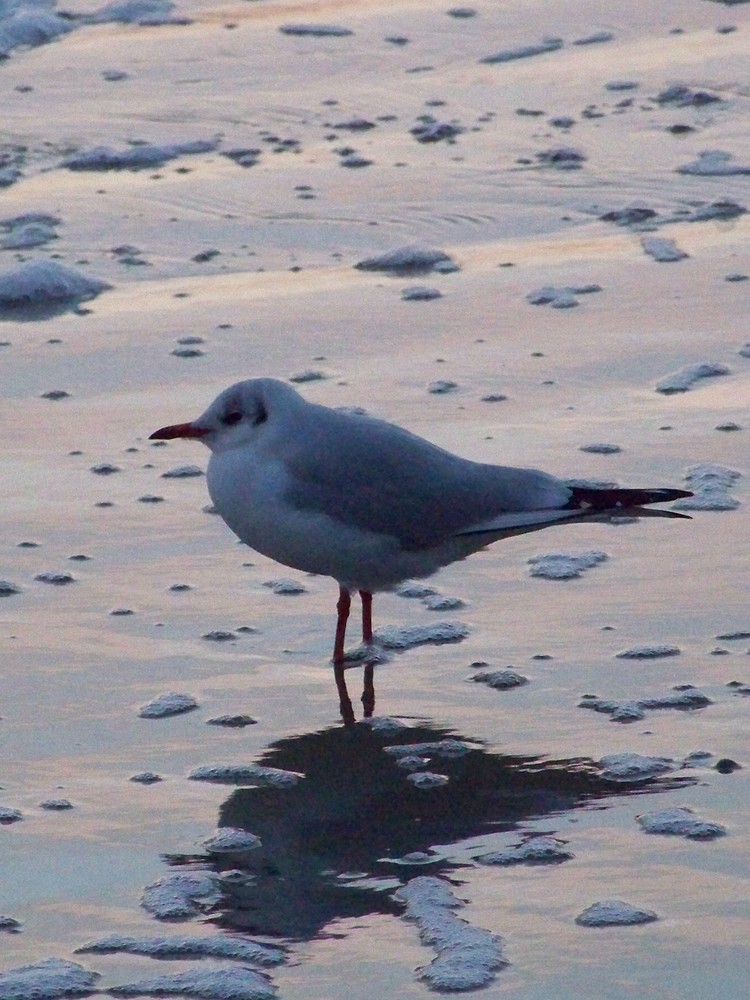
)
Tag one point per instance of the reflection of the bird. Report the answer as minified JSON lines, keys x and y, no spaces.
{"x":356,"y":815}
{"x":368,"y":692}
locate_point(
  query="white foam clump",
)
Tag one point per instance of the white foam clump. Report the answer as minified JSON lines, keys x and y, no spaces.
{"x":560,"y":298}
{"x":561,"y":158}
{"x":183,"y":472}
{"x":467,"y":957}
{"x":441,"y":386}
{"x":171,"y":703}
{"x":683,"y":697}
{"x":681,"y":96}
{"x":231,"y":721}
{"x":710,"y":485}
{"x":409,"y":260}
{"x":420,"y":293}
{"x":635,"y":709}
{"x":9,"y":175}
{"x":524,"y":51}
{"x":662,"y":250}
{"x":733,"y":636}
{"x":633,"y":766}
{"x":231,"y":840}
{"x":565,"y":565}
{"x":614,"y":913}
{"x":536,"y":851}
{"x":145,"y":12}
{"x":412,"y":762}
{"x":652,"y":652}
{"x":56,"y":805}
{"x":428,"y":779}
{"x":442,"y":602}
{"x":27,"y":231}
{"x":685,"y":378}
{"x":412,"y":858}
{"x":134,"y":157}
{"x":57,"y":579}
{"x":385,"y":725}
{"x":418,"y":635}
{"x":245,"y":774}
{"x":500,"y":680}
{"x":619,"y":711}
{"x":188,"y":946}
{"x":722,"y":210}
{"x":316,"y":30}
{"x":53,"y":977}
{"x":223,"y":983}
{"x":601,"y":448}
{"x":30,"y":23}
{"x":595,"y":38}
{"x":286,"y":587}
{"x":146,"y":778}
{"x":680,"y":822}
{"x":308,"y":375}
{"x":366,"y":653}
{"x":416,"y":589}
{"x":714,"y":163}
{"x":40,"y":282}
{"x":219,"y":635}
{"x":440,"y":748}
{"x":187,"y":352}
{"x":180,"y":895}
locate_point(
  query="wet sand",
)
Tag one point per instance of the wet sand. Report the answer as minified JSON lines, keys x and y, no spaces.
{"x":282,"y":296}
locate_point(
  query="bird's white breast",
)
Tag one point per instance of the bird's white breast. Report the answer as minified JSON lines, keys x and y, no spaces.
{"x":249,"y":493}
{"x":250,"y":497}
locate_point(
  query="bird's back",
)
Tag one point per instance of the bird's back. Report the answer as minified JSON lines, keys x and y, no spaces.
{"x":382,"y":478}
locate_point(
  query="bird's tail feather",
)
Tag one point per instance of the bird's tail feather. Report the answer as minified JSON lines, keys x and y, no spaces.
{"x":585,"y":504}
{"x":650,"y":512}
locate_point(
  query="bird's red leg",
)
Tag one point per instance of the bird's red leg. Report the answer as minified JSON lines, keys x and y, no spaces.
{"x":342,"y":607}
{"x":368,"y":690}
{"x":345,"y":704}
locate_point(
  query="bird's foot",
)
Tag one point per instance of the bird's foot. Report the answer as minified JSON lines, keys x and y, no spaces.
{"x":366,"y":652}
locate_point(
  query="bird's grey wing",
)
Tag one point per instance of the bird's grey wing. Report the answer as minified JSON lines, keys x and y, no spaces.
{"x":381,"y":478}
{"x":517,"y":522}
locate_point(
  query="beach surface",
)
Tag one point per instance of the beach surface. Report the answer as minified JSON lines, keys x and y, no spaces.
{"x":185,"y":193}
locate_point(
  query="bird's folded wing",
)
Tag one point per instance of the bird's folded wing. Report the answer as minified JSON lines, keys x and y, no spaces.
{"x":520,"y":519}
{"x":382,"y":479}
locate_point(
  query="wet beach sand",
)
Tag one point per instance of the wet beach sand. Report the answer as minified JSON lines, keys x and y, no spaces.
{"x":209,"y":176}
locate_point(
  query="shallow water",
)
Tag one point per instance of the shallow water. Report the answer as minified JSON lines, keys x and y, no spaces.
{"x":283,"y":296}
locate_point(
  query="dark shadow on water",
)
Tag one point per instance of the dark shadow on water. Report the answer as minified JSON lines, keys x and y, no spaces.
{"x":356,"y":809}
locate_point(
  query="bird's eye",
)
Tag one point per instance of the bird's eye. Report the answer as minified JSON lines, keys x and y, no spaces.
{"x":233,"y":417}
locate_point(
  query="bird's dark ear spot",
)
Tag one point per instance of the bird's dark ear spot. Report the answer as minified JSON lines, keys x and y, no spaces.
{"x":260,"y":416}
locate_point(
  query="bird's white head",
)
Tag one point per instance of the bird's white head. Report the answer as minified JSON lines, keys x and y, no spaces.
{"x":237,"y":416}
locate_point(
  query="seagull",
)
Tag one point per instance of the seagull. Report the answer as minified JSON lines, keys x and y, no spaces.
{"x":342,"y":494}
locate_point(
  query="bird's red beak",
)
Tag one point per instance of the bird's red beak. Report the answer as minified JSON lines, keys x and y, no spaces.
{"x":178,"y":431}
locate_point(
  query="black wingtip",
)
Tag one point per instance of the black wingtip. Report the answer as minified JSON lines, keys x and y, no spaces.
{"x":618,"y":498}
{"x":664,"y":495}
